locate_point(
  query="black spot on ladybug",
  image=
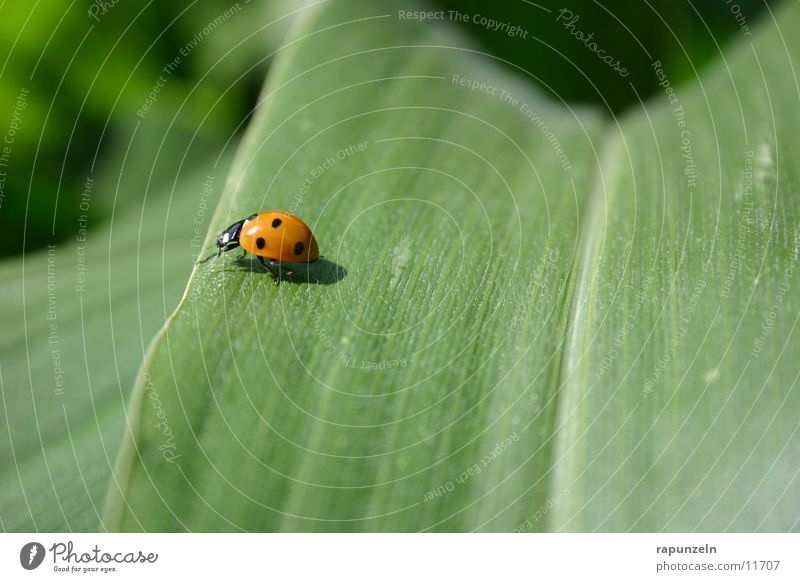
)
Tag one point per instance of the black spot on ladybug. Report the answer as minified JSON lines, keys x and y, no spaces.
{"x":276,"y":223}
{"x":260,"y":242}
{"x":298,"y":248}
{"x":252,"y":216}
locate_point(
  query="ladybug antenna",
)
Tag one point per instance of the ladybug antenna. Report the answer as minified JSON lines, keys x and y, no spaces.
{"x":212,"y":255}
{"x":200,"y":262}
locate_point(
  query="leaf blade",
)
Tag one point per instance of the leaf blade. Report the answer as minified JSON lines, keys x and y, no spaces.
{"x":670,"y":421}
{"x":277,"y":424}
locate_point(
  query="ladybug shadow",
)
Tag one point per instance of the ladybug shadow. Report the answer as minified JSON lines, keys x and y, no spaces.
{"x":320,"y":272}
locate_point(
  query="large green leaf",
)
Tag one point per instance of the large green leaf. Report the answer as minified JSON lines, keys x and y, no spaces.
{"x":88,"y":308}
{"x":433,"y":245}
{"x":502,"y":278}
{"x":680,"y":405}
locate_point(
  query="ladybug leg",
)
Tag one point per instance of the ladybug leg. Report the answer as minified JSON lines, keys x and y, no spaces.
{"x":276,"y":275}
{"x":269,"y":267}
{"x":283,"y":272}
{"x":244,"y":253}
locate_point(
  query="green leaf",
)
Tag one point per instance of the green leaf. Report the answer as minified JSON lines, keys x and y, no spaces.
{"x":87,"y":308}
{"x":680,"y":399}
{"x":266,"y":397}
{"x":449,"y":365}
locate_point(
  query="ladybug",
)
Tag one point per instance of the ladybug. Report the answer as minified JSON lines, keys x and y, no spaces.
{"x":272,"y":234}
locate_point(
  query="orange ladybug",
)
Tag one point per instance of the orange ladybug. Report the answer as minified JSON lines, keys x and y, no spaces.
{"x":278,"y":236}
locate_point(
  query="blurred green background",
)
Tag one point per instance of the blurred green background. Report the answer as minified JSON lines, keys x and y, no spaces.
{"x":88,"y":70}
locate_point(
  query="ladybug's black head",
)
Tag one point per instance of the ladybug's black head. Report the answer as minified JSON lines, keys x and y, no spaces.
{"x":229,"y":238}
